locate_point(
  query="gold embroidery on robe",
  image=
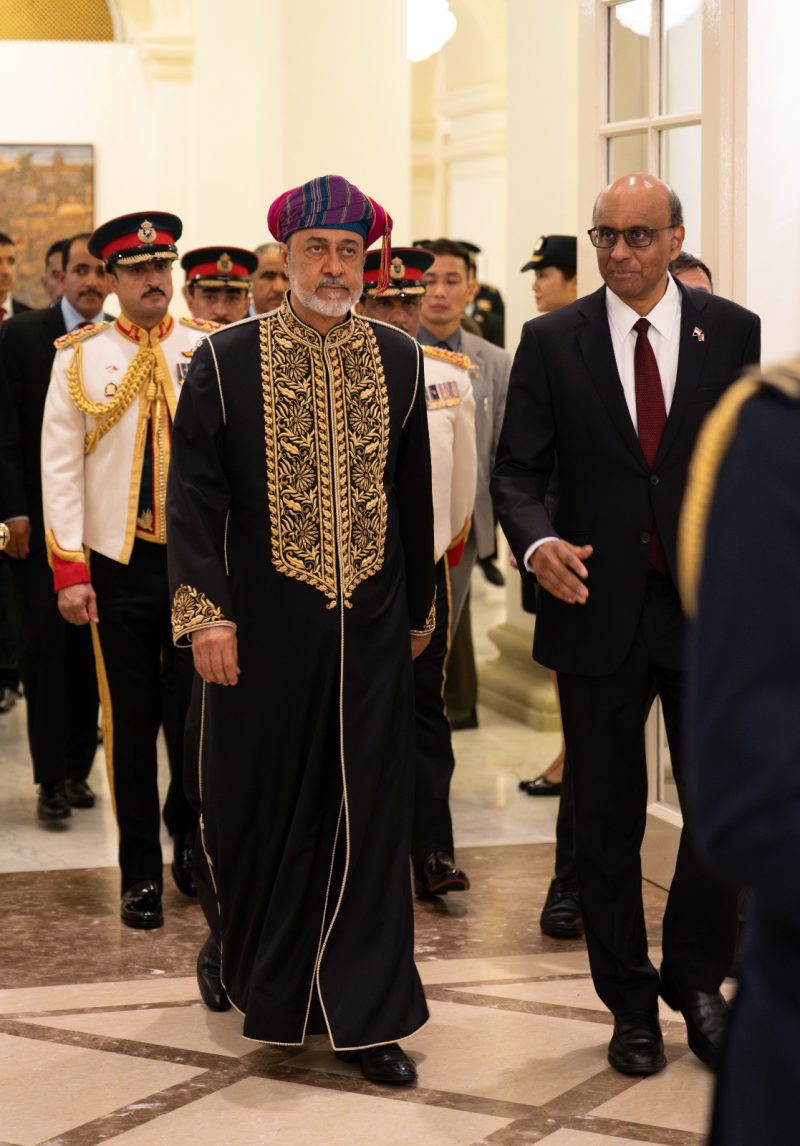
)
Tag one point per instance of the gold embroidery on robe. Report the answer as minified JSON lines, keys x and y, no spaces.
{"x":192,"y":609}
{"x":318,"y":457}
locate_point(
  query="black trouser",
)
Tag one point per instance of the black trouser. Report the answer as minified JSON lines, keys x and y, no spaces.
{"x":56,"y":663}
{"x":133,"y":603}
{"x":565,"y":827}
{"x":9,"y":673}
{"x":433,"y":828}
{"x":604,"y":719}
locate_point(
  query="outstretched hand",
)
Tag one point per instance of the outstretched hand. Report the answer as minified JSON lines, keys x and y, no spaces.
{"x":559,"y":569}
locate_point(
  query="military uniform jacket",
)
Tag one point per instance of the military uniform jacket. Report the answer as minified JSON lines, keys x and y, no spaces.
{"x":451,"y":426}
{"x":113,"y":387}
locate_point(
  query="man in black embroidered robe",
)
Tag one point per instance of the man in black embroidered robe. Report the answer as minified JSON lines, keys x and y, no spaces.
{"x":301,"y":559}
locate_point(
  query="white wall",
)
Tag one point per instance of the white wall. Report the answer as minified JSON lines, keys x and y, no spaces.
{"x":200,"y":114}
{"x":347,"y":99}
{"x":542,"y":188}
{"x":773,"y":176}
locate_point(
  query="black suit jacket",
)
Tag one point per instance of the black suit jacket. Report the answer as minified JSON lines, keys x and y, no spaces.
{"x":566,"y":404}
{"x":26,"y":359}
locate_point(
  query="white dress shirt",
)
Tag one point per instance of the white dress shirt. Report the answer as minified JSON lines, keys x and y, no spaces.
{"x":665,"y":339}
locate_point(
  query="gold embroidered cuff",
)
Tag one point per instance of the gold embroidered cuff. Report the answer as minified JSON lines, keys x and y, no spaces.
{"x":430,"y":623}
{"x":192,"y":610}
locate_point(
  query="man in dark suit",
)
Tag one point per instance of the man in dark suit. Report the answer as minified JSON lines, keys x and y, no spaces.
{"x":55,"y":659}
{"x":618,"y":399}
{"x":742,"y":728}
{"x":8,"y":270}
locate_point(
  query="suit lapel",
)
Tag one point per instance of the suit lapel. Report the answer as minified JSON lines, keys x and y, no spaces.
{"x":594,"y":340}
{"x":692,"y":355}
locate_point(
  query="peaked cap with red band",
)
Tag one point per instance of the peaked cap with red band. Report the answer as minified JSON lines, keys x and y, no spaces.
{"x":219,"y":267}
{"x":406,"y":268}
{"x":137,"y":238}
{"x":331,"y":201}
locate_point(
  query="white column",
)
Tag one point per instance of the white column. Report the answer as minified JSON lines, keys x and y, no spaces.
{"x":541,"y":197}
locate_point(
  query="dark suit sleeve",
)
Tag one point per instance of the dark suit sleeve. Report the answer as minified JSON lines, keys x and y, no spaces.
{"x":413,"y":489}
{"x":744,"y":681}
{"x":526,"y":451}
{"x":198,"y":497}
{"x":13,"y":502}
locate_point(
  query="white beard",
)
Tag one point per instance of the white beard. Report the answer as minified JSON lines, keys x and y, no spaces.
{"x":331,"y":308}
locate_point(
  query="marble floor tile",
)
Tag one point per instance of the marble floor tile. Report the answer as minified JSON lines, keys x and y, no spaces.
{"x":257,"y":1112}
{"x":47,"y":1088}
{"x":567,"y":1137}
{"x":435,"y":971}
{"x":80,"y":996}
{"x":192,"y":1028}
{"x":579,"y":993}
{"x":678,"y":1098}
{"x":528,"y":1059}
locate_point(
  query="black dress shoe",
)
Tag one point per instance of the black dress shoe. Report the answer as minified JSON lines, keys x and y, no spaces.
{"x":386,"y":1063}
{"x":490,"y":571}
{"x":182,"y":857}
{"x":706,"y":1014}
{"x":463,"y":721}
{"x":439,"y":875}
{"x":541,"y":786}
{"x":141,"y":905}
{"x":636,"y":1046}
{"x":79,"y":794}
{"x":561,"y":915}
{"x":208,"y":977}
{"x":52,"y":803}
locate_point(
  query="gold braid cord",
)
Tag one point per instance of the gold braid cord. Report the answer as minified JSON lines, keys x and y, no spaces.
{"x":712,"y":445}
{"x":143,"y":369}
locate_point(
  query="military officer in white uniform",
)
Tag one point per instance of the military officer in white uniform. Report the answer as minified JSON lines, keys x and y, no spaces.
{"x":218,"y":283}
{"x":451,"y":425}
{"x":105,"y":455}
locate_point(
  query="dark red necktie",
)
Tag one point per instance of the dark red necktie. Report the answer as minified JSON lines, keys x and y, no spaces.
{"x":651,"y":417}
{"x":2,"y":314}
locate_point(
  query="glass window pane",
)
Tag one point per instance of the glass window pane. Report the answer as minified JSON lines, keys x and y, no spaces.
{"x":680,"y":167}
{"x":628,"y":54}
{"x":627,"y":153}
{"x":681,"y":55}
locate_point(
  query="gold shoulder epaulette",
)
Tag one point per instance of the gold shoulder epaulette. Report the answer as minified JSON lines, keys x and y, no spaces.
{"x":79,"y":334}
{"x":448,"y":356}
{"x":712,"y":445}
{"x":204,"y":324}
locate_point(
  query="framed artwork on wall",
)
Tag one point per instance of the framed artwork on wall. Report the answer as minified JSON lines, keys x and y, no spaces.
{"x":46,"y":193}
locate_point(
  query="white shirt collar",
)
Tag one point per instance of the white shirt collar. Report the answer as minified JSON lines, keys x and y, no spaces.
{"x":622,"y":317}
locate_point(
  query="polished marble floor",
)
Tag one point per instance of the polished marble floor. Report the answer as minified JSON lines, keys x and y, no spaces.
{"x":103,"y":1038}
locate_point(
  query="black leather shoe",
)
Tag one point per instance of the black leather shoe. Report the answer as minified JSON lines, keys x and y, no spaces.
{"x":706,"y":1014}
{"x":541,"y":786}
{"x":561,"y":915}
{"x":182,"y":857}
{"x":439,"y":875}
{"x":386,"y":1063}
{"x":208,"y":977}
{"x":52,"y":803}
{"x":636,"y":1046}
{"x":491,"y":572}
{"x":463,"y":721}
{"x":79,"y":794}
{"x":141,"y":905}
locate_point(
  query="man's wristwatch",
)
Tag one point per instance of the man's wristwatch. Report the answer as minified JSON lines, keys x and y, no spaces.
{"x":5,"y":534}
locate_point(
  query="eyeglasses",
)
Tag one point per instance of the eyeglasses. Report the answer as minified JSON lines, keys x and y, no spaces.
{"x":606,"y":237}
